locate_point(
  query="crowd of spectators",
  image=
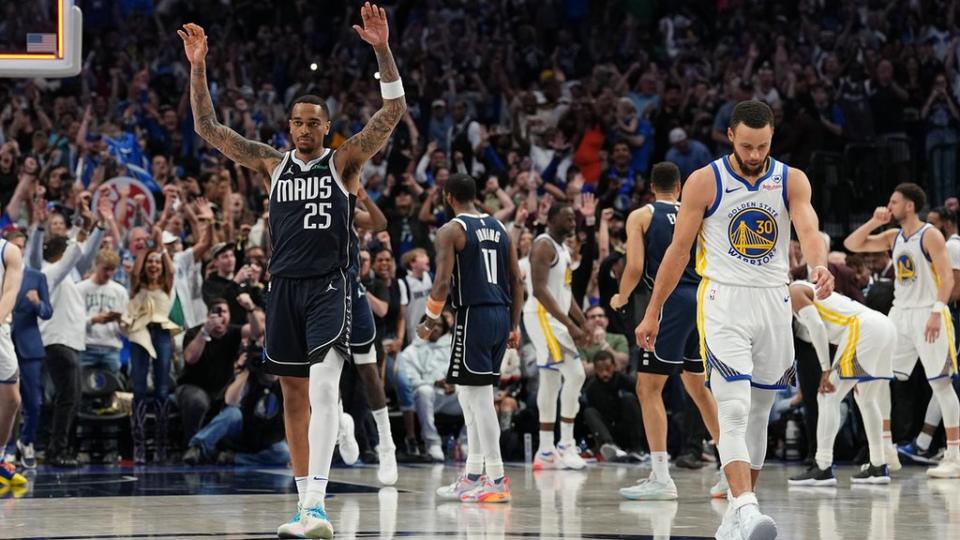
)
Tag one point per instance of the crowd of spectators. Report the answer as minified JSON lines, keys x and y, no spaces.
{"x":161,"y":279}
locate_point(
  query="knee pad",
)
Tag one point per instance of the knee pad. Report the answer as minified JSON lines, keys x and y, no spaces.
{"x":733,"y":412}
{"x":949,"y":403}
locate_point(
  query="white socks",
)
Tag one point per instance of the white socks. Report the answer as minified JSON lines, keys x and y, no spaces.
{"x":382,"y":417}
{"x":661,"y":465}
{"x":301,"y":488}
{"x":924,"y":439}
{"x":479,"y":399}
{"x":566,"y":434}
{"x":546,"y":442}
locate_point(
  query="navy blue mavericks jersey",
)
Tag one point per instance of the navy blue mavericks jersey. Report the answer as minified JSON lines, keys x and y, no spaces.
{"x":354,"y":253}
{"x":480,"y":273}
{"x":657,"y":239}
{"x":311,"y":218}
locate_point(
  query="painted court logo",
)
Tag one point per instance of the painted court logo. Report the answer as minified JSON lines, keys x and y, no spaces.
{"x":906,"y":270}
{"x":753,"y":234}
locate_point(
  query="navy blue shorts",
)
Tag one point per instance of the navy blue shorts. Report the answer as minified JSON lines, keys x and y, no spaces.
{"x":363,"y":330}
{"x":479,"y":341}
{"x":305,"y":319}
{"x":678,"y":343}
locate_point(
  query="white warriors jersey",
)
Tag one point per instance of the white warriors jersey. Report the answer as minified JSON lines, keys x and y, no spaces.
{"x":917,"y":281}
{"x":558,"y":279}
{"x":3,"y":272}
{"x":745,"y":236}
{"x":840,"y":314}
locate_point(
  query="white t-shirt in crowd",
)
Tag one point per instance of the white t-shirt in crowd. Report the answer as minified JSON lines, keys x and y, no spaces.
{"x":111,"y":296}
{"x":417,"y":292}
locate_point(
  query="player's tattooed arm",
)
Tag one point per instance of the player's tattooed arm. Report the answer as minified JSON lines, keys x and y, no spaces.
{"x":251,"y":154}
{"x":357,"y":149}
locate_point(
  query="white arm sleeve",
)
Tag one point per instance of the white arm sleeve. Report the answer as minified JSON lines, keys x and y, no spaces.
{"x":810,"y":318}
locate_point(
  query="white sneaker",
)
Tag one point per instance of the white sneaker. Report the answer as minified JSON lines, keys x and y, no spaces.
{"x":461,"y":485}
{"x":387,"y":470}
{"x":720,"y":489}
{"x":754,"y":525}
{"x":570,"y":457}
{"x":546,"y":460}
{"x":651,"y":489}
{"x":948,"y":468}
{"x":315,"y":522}
{"x":730,"y":526}
{"x":292,"y":528}
{"x":892,"y":457}
{"x":9,"y":457}
{"x":349,"y":449}
{"x":28,"y":457}
{"x":436,"y":453}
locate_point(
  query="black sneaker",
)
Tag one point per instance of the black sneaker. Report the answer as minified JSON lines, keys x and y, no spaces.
{"x":871,"y":475}
{"x":814,"y":476}
{"x":688,"y":461}
{"x":193,"y":456}
{"x":411,"y":448}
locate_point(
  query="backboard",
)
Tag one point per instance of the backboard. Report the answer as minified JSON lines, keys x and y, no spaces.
{"x":40,"y":38}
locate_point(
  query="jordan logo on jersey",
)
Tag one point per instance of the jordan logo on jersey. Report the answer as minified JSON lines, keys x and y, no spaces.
{"x":753,"y":233}
{"x":906,"y":270}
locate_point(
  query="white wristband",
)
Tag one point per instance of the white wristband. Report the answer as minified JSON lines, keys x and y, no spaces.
{"x":391,"y":90}
{"x":938,"y":308}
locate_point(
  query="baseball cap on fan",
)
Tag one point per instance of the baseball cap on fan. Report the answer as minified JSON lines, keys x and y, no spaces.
{"x":677,"y":135}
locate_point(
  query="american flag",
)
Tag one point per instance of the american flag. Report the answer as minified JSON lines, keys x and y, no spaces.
{"x":41,"y":43}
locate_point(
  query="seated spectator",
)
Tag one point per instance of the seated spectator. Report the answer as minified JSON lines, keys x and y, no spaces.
{"x":106,"y":302}
{"x":425,"y":363}
{"x":208,"y":354}
{"x":599,"y":340}
{"x":612,"y":411}
{"x":251,"y":421}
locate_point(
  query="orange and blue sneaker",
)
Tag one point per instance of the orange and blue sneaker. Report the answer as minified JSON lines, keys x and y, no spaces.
{"x":463,"y":484}
{"x":10,"y":477}
{"x":489,"y":492}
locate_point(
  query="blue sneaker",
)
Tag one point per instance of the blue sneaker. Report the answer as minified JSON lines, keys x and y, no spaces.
{"x":292,"y":528}
{"x":913,"y":452}
{"x":315,"y":522}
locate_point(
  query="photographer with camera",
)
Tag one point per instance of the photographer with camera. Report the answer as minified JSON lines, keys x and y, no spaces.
{"x":208,"y":354}
{"x":251,"y":421}
{"x":229,"y":285}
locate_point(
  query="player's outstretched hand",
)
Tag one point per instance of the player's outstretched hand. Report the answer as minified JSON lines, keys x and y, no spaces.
{"x":374,"y":30}
{"x":194,"y":42}
{"x":823,"y":282}
{"x":647,"y":332}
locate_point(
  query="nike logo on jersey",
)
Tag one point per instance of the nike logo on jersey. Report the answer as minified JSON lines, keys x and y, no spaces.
{"x":728,"y":190}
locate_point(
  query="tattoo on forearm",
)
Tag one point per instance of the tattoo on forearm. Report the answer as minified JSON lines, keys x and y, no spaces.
{"x":245,"y":152}
{"x":377,"y":131}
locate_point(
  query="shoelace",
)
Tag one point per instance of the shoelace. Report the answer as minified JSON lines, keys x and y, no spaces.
{"x":317,"y":513}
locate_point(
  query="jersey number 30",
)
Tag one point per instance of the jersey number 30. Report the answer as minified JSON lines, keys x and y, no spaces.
{"x":318,"y":216}
{"x":490,"y":262}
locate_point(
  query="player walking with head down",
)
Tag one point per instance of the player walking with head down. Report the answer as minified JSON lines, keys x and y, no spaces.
{"x":312,"y":197}
{"x":739,"y":209}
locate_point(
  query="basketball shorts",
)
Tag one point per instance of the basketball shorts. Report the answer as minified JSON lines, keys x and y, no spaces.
{"x":480,"y":336}
{"x":747,"y":333}
{"x":9,"y":369}
{"x":363,"y":330}
{"x":678,"y":342}
{"x":865,"y":351}
{"x":305,"y":319}
{"x":550,"y":338}
{"x":939,"y":358}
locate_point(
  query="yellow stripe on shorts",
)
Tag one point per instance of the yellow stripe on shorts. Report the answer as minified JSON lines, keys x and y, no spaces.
{"x":553,"y":346}
{"x":951,"y":343}
{"x":701,"y":292}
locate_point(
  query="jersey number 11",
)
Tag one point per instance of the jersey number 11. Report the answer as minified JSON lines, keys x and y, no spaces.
{"x":490,"y":262}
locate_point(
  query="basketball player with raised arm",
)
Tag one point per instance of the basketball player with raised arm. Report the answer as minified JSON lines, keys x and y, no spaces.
{"x":312,"y":198}
{"x":649,"y":233}
{"x":865,"y":341}
{"x":739,"y":209}
{"x":478,"y":267}
{"x":924,"y":282}
{"x":554,"y":323}
{"x":11,"y":275}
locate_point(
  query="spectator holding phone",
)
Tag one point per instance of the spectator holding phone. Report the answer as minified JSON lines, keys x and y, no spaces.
{"x":106,"y":302}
